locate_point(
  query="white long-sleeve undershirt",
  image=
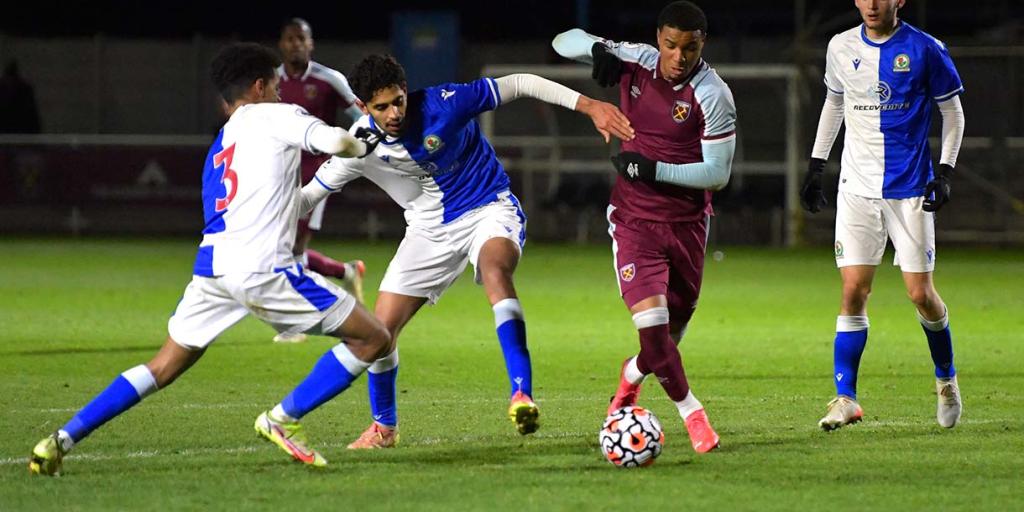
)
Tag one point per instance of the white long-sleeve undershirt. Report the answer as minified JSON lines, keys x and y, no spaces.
{"x":828,"y":125}
{"x":335,"y":141}
{"x":525,"y":85}
{"x":953,"y":123}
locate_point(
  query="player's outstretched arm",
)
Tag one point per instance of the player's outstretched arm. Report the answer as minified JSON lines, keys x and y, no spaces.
{"x":607,"y":118}
{"x":337,"y":141}
{"x":711,"y":174}
{"x":606,"y":57}
{"x":580,"y":46}
{"x":575,"y":44}
{"x":330,"y":178}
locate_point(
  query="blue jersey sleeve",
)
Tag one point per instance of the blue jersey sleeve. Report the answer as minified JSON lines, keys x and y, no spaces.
{"x":943,"y":79}
{"x":471,"y":99}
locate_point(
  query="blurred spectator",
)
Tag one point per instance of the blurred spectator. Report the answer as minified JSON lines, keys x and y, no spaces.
{"x":18,"y":110}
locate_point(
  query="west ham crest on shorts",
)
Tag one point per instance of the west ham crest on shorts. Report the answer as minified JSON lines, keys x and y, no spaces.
{"x":680,"y":111}
{"x":627,"y":272}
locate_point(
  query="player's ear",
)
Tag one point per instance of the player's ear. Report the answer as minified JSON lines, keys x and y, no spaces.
{"x":362,"y":106}
{"x":257,"y":88}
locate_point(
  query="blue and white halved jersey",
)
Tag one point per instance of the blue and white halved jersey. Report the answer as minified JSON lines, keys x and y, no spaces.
{"x":441,"y":167}
{"x":251,"y":194}
{"x":888,"y":89}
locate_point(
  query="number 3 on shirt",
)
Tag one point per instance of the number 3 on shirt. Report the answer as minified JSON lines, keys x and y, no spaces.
{"x":229,"y":178}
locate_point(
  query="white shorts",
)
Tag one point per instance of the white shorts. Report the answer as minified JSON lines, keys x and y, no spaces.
{"x":430,"y":259}
{"x":863,"y":224}
{"x":316,"y":217}
{"x":292,"y":300}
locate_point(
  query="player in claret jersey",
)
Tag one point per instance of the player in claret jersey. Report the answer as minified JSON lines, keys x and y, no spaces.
{"x":322,"y":91}
{"x":684,"y":117}
{"x":245,"y":265}
{"x":881,"y":78}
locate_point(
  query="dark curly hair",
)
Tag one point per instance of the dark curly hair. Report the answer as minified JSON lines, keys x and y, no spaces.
{"x":373,"y":73}
{"x":683,"y":15}
{"x":238,"y":65}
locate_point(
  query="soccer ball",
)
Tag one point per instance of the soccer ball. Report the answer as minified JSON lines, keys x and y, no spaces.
{"x":631,"y":437}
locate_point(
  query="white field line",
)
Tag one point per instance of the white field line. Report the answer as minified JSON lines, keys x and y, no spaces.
{"x":432,"y":441}
{"x":147,"y":454}
{"x":597,"y":399}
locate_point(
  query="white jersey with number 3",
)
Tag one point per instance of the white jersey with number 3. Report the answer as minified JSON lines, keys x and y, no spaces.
{"x":251,"y":190}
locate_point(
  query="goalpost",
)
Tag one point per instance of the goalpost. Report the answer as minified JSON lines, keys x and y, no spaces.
{"x":559,"y":151}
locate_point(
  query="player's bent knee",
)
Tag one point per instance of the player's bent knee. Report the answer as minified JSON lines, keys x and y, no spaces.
{"x":920,"y":296}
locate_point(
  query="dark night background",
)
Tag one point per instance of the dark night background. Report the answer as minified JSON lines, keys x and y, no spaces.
{"x":481,"y":21}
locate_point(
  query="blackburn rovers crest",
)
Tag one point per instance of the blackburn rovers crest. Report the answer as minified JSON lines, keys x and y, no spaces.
{"x":432,"y":143}
{"x":627,"y":272}
{"x":680,"y":111}
{"x":901,"y":63}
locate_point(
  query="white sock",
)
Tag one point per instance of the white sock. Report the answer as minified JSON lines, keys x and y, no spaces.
{"x":934,"y":325}
{"x":688,"y":405}
{"x":277,"y":414}
{"x":632,"y":372}
{"x":385,"y":363}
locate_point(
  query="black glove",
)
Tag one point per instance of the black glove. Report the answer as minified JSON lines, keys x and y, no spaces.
{"x":811,"y":197}
{"x":370,"y":136}
{"x":940,"y":186}
{"x":633,"y":166}
{"x":607,"y":67}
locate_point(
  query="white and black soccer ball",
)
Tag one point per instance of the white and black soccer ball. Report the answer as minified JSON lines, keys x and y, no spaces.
{"x":631,"y":437}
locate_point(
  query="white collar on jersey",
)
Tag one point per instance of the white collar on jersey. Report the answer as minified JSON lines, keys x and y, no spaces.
{"x":697,"y":69}
{"x":281,"y":72}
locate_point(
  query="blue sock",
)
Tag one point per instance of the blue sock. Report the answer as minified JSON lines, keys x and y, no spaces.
{"x":851,"y":337}
{"x":940,"y":343}
{"x":128,"y":389}
{"x":508,"y":317}
{"x":381,"y":378}
{"x":332,"y":374}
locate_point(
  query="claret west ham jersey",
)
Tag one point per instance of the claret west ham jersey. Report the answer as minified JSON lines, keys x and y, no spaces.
{"x":251,"y":190}
{"x":888,"y":89}
{"x":321,"y":91}
{"x":671,"y":121}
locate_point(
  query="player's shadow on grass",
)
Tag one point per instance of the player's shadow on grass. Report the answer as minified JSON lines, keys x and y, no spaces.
{"x":151,"y":349}
{"x":82,"y":350}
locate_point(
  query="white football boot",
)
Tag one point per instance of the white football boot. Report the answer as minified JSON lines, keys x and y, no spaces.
{"x":842,"y":410}
{"x":949,"y":407}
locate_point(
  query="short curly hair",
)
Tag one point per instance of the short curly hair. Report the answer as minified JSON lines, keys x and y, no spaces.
{"x":373,"y":73}
{"x":238,"y":65}
{"x":683,"y":15}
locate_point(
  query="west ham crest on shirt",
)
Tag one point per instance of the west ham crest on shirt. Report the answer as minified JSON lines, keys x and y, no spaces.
{"x":680,"y":111}
{"x":310,"y":91}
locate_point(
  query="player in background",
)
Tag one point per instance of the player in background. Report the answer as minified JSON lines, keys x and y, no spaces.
{"x":881,"y":78}
{"x":435,"y":162}
{"x":245,"y":265}
{"x":322,"y":91}
{"x":660,"y":207}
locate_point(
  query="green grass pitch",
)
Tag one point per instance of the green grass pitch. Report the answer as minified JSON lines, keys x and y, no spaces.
{"x":74,"y":314}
